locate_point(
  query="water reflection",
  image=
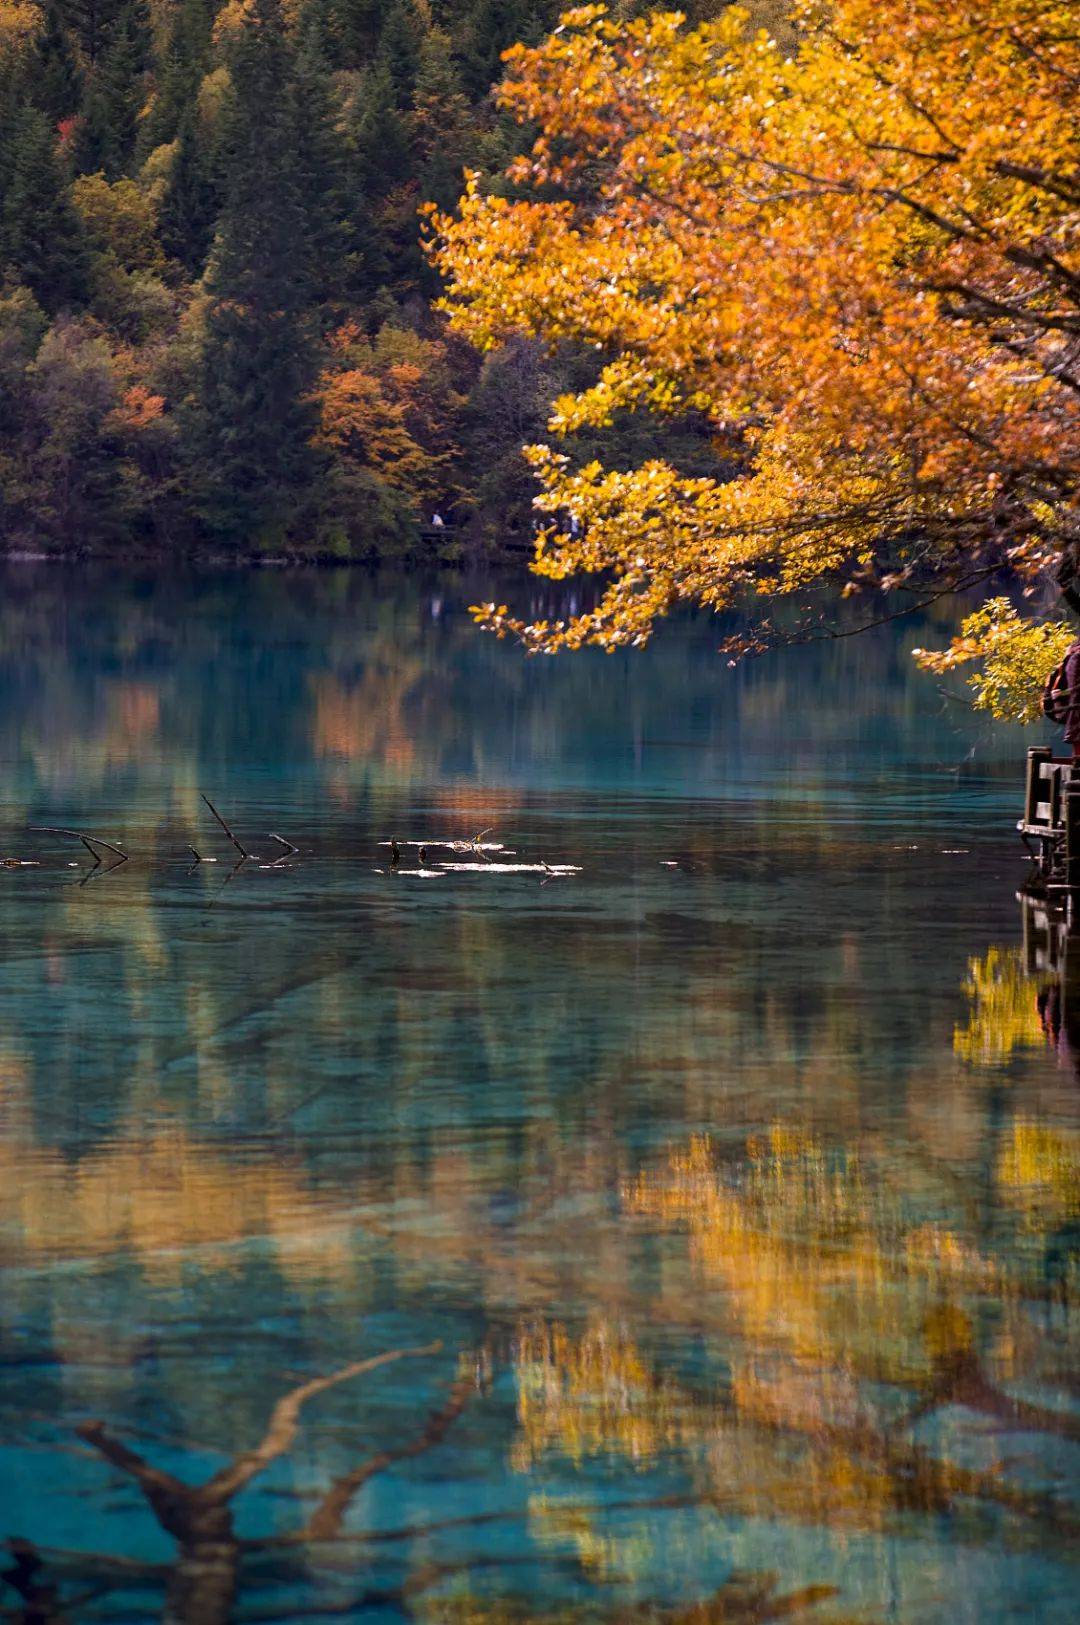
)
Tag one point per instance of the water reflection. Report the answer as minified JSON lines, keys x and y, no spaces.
{"x":735,"y":1176}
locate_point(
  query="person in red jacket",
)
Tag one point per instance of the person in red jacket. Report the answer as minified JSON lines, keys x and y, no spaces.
{"x":1061,"y":696}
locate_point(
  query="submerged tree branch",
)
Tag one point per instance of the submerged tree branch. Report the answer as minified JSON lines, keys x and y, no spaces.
{"x":326,"y":1520}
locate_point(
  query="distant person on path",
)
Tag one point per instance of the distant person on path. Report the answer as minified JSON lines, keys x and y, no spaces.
{"x":1061,"y":697}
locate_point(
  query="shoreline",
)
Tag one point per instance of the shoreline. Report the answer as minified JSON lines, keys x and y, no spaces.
{"x":466,"y":558}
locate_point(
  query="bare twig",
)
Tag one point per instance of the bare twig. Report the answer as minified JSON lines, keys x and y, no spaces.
{"x":166,"y":1493}
{"x":288,"y":845}
{"x":477,"y":848}
{"x":89,"y":841}
{"x":196,"y":855}
{"x":203,"y":1585}
{"x":244,"y":853}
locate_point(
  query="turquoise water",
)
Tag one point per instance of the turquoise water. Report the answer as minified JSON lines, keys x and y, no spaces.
{"x":732,"y":1166}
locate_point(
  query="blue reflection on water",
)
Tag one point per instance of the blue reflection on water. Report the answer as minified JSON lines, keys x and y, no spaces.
{"x":735,"y":1174}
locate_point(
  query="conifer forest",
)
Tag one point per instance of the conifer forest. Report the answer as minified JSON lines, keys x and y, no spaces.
{"x":216,"y":323}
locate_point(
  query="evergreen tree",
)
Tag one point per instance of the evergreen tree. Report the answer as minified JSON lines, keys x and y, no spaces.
{"x":11,"y":100}
{"x":55,"y":80}
{"x":380,"y":138}
{"x":42,"y":239}
{"x":381,"y":166}
{"x":321,"y":159}
{"x":443,"y":124}
{"x":354,"y":27}
{"x":492,"y":26}
{"x":90,"y":22}
{"x":189,"y":206}
{"x":398,"y":55}
{"x":253,"y":419}
{"x":179,"y":74}
{"x":117,"y":90}
{"x":319,"y":37}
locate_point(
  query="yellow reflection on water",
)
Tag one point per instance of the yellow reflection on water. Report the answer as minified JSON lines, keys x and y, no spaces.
{"x":1038,"y":1171}
{"x":157,"y":1197}
{"x":1004,"y":1014}
{"x":591,"y":1394}
{"x":808,"y":1254}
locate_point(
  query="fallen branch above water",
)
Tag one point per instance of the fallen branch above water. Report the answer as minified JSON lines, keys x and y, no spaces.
{"x":244,"y":853}
{"x":89,"y":841}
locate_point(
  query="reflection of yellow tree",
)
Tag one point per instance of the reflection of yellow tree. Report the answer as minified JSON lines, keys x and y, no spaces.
{"x":817,"y":1292}
{"x":744,"y":1599}
{"x":807,"y":1254}
{"x":589,"y":1395}
{"x":1004,"y":1013}
{"x":1038,"y":1172}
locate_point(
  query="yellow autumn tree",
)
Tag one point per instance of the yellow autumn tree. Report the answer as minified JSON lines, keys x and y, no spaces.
{"x":859,"y":260}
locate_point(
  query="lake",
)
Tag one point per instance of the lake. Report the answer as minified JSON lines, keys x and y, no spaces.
{"x":696,"y":1132}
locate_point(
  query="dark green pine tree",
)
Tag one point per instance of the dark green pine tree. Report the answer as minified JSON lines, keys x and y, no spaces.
{"x":105,"y":139}
{"x":189,"y":207}
{"x":489,"y":28}
{"x":380,"y":165}
{"x":354,"y":27}
{"x":90,"y":22}
{"x":398,"y":54}
{"x":42,"y":238}
{"x":179,"y":74}
{"x":252,"y":421}
{"x":444,"y":128}
{"x":55,"y":84}
{"x":380,"y":137}
{"x":318,"y":36}
{"x":324,"y":179}
{"x":12,"y":98}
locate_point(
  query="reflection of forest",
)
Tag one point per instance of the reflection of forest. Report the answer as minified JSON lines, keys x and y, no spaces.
{"x":150,"y":685}
{"x":845,"y":1289}
{"x":766,"y":1217}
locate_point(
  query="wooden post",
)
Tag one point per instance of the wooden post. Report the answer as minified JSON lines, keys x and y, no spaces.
{"x":1031,"y":938}
{"x":1036,"y":756}
{"x":1072,"y":836}
{"x":1070,"y":983}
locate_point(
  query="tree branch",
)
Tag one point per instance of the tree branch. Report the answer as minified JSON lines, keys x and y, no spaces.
{"x":284,"y":1419}
{"x":169,"y":1497}
{"x":326,"y":1520}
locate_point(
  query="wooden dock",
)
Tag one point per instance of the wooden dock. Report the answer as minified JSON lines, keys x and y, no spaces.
{"x":1050,"y":827}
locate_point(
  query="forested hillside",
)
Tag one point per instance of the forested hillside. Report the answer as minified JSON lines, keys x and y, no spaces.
{"x":214,"y":308}
{"x":215,"y":312}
